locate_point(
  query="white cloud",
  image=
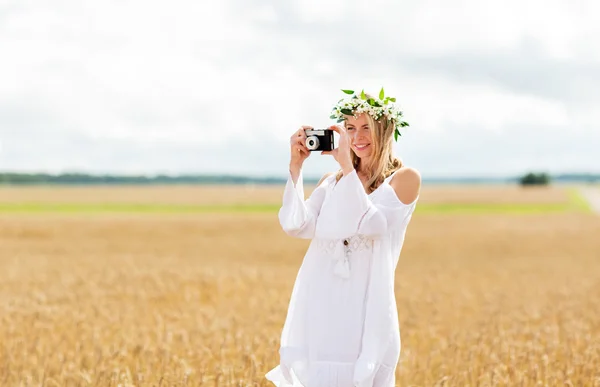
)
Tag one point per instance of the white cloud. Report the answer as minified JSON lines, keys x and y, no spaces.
{"x":220,"y":86}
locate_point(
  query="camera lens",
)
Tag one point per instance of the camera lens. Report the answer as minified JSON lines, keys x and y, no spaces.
{"x":312,"y":142}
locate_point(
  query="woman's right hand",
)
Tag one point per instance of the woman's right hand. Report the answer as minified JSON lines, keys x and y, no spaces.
{"x":298,"y":147}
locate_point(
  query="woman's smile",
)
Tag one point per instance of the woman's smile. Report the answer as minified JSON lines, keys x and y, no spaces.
{"x":361,"y":147}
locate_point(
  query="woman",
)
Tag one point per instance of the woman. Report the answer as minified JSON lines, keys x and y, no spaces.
{"x":342,"y":326}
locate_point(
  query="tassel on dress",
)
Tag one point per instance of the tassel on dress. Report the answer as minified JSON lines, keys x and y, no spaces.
{"x":342,"y":266}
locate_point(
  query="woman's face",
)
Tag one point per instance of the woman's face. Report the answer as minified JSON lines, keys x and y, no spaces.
{"x":359,"y":132}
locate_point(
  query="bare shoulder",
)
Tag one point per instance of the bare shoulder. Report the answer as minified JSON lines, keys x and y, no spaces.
{"x":407,"y":184}
{"x":324,"y":178}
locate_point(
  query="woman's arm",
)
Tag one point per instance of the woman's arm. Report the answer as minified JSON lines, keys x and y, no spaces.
{"x":298,"y":216}
{"x":357,"y":214}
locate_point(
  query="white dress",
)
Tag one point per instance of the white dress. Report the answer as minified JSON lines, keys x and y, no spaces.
{"x":341,"y":328}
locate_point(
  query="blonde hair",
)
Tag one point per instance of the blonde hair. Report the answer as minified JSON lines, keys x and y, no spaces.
{"x":383,"y":162}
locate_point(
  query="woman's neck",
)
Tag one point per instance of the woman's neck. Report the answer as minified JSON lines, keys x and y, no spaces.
{"x":363,"y":170}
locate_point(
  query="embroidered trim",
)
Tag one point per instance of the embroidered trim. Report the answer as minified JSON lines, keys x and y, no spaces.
{"x":356,"y":243}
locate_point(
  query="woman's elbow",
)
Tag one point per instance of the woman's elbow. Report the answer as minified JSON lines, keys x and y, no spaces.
{"x":376,"y":226}
{"x":297,"y":228}
{"x":299,"y":232}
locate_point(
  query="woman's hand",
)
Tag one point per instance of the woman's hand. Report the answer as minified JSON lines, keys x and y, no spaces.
{"x":298,"y":148}
{"x":342,"y":154}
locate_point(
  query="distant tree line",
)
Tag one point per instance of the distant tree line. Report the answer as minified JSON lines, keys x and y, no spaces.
{"x":532,"y":178}
{"x":11,"y":178}
{"x":83,"y":179}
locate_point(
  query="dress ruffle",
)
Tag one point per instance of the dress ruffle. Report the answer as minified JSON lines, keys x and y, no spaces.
{"x":328,"y":374}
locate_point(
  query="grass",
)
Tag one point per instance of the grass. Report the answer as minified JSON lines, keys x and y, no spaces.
{"x":576,"y":204}
{"x":577,"y":200}
{"x":267,"y":199}
{"x":506,"y":208}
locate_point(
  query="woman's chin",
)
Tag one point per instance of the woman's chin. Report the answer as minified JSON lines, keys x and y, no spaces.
{"x":362,"y":153}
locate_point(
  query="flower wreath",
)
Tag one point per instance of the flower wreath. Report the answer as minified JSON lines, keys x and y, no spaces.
{"x":376,"y":108}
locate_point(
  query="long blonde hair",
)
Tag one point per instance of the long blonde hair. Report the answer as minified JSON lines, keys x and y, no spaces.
{"x":383,"y":163}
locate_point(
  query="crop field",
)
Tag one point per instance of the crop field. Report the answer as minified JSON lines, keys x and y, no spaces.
{"x":219,"y":199}
{"x":189,"y":286}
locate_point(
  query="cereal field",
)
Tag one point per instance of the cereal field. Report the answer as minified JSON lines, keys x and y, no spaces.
{"x":188,"y":286}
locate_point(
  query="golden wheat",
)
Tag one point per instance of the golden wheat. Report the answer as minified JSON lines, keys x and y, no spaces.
{"x":263,"y":194}
{"x":199,"y":300}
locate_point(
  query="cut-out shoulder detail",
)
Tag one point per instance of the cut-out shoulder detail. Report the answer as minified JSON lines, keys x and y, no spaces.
{"x":406,"y":185}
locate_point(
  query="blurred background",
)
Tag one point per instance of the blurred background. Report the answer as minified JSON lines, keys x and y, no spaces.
{"x":144,"y":147}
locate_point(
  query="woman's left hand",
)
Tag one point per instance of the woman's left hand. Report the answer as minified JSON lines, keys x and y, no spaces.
{"x":342,"y":154}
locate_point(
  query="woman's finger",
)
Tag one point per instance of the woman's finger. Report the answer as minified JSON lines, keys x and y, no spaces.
{"x":301,"y":142}
{"x":302,"y":148}
{"x":299,"y":146}
{"x":337,"y":129}
{"x":302,"y":130}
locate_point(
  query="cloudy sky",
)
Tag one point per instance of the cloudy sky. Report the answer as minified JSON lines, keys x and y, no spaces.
{"x":490,"y":88}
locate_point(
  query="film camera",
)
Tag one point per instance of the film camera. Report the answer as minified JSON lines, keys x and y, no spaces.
{"x":319,"y":139}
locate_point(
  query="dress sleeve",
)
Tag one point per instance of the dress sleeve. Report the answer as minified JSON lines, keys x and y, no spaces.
{"x":357,"y":214}
{"x":381,"y":318}
{"x":298,"y":216}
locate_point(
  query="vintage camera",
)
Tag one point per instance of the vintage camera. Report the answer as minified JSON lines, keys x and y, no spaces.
{"x":319,"y":139}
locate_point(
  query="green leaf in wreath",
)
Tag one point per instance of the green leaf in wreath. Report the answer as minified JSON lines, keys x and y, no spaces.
{"x":371,"y":101}
{"x":381,"y":94}
{"x":333,"y":117}
{"x":348,"y":91}
{"x":396,"y":134}
{"x":392,"y":99}
{"x":346,"y":111}
{"x":363,"y":95}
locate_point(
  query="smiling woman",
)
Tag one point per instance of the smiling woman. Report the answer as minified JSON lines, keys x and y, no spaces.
{"x":340,"y":330}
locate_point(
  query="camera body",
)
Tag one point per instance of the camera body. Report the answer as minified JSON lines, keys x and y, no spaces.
{"x":319,"y":139}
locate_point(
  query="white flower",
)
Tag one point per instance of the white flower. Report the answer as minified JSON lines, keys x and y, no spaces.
{"x":357,"y":106}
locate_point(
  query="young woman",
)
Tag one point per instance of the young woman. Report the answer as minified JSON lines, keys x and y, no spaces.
{"x":342,"y":325}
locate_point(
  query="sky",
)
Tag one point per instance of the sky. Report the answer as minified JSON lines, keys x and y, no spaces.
{"x":494,"y":88}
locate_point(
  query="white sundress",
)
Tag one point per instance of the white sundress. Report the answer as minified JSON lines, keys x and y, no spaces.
{"x":341,"y":328}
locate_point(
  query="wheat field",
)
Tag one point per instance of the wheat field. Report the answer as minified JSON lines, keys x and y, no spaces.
{"x":199,"y":299}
